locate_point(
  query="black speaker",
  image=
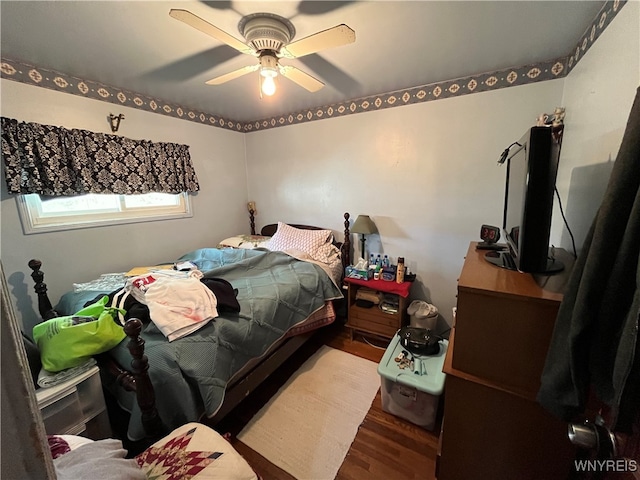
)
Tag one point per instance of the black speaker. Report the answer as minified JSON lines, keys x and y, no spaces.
{"x":419,"y":341}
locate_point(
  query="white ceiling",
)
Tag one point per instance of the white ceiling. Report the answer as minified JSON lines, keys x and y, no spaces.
{"x":135,"y":45}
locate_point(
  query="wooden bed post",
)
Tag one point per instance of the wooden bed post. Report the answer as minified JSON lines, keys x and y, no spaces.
{"x":251,"y":206}
{"x":145,"y":394}
{"x":346,"y":245}
{"x":44,"y":304}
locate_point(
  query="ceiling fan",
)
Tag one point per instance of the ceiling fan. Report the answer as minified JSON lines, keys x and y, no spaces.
{"x":267,"y":37}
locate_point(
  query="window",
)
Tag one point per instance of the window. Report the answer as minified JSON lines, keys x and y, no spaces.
{"x":49,"y":214}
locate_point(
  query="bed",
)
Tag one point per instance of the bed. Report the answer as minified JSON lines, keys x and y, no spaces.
{"x":202,"y":376}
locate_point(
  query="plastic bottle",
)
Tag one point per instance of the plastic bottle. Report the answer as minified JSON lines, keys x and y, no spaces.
{"x":378,"y":261}
{"x":372,"y":260}
{"x":400,"y":270}
{"x":385,"y":262}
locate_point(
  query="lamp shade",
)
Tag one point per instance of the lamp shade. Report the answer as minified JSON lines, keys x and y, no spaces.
{"x":364,"y":224}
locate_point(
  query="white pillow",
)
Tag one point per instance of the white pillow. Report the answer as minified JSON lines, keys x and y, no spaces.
{"x":313,"y":242}
{"x":244,"y":241}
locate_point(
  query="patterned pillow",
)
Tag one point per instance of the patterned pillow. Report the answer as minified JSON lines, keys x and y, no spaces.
{"x":312,"y":242}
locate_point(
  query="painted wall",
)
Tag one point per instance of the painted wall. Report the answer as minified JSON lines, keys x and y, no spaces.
{"x":598,"y":95}
{"x":427,"y":175}
{"x":219,"y":209}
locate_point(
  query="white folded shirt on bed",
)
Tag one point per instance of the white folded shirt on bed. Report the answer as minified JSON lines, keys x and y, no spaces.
{"x":178,"y":306}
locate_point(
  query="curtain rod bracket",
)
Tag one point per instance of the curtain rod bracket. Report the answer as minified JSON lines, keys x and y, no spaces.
{"x":115,"y":121}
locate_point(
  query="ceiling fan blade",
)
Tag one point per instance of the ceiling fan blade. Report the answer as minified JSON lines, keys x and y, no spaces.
{"x":332,"y":37}
{"x":303,"y":79}
{"x":205,"y":27}
{"x":231,"y":75}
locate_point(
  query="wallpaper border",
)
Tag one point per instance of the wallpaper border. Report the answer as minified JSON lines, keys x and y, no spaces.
{"x":509,"y":77}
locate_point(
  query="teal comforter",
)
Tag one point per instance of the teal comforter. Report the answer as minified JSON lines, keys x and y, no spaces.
{"x":276,"y":292}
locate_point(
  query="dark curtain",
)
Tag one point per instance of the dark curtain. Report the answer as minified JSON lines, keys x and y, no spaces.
{"x":55,"y":161}
{"x":595,"y":338}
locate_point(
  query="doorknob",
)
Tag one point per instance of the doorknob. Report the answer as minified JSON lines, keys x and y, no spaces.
{"x":595,"y":437}
{"x":583,"y":436}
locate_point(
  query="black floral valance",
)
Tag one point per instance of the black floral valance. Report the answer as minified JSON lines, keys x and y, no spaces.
{"x":55,"y":161}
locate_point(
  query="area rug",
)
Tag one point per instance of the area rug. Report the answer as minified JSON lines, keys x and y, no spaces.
{"x":308,"y":426}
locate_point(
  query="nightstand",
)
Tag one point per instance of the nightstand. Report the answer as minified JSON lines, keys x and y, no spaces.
{"x":75,"y":407}
{"x":374,"y":320}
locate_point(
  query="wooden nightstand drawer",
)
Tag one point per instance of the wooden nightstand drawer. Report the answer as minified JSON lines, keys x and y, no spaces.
{"x":375,"y":315}
{"x":374,"y":320}
{"x":371,"y":327}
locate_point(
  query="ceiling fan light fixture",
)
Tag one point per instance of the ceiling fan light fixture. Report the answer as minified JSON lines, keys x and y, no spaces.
{"x":268,"y":37}
{"x":268,"y":65}
{"x":268,"y":72}
{"x":266,"y":31}
{"x":268,"y":85}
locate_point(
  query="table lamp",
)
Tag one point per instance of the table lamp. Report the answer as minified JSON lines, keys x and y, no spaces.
{"x":364,"y":226}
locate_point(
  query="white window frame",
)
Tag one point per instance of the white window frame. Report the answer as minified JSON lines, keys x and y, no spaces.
{"x":33,"y":221}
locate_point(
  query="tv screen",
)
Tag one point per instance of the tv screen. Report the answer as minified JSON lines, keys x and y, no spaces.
{"x":532,"y":166}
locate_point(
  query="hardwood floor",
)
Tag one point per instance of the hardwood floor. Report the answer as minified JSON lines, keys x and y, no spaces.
{"x":386,"y":446}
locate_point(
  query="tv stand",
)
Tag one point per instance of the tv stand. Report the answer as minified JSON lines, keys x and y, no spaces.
{"x":493,"y":427}
{"x":504,"y":259}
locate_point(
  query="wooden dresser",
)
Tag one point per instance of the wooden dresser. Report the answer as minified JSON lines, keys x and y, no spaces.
{"x":493,"y":427}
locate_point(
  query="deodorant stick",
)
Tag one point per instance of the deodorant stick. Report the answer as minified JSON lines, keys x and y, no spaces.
{"x":400,"y":270}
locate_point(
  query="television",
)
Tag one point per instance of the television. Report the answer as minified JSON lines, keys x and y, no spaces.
{"x":532,"y":166}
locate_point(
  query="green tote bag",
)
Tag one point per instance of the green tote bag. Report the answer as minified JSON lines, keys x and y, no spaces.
{"x":66,"y":342}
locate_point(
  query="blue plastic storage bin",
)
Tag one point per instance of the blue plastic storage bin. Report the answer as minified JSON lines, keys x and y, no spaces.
{"x":409,"y":395}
